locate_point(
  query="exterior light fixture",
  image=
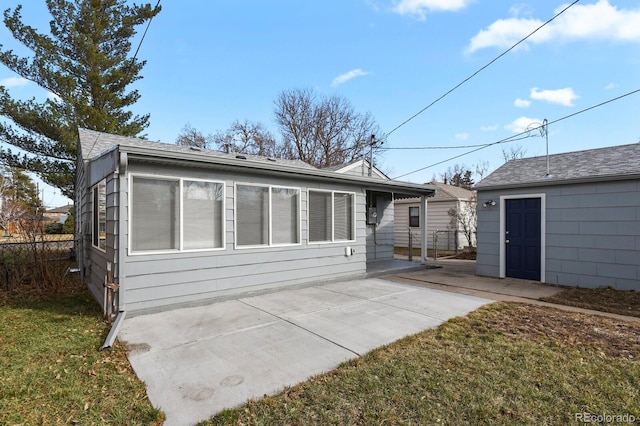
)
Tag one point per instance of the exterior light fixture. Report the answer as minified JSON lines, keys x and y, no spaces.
{"x":488,"y":203}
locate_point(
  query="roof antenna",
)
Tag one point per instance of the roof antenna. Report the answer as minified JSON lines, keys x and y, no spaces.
{"x":544,"y":131}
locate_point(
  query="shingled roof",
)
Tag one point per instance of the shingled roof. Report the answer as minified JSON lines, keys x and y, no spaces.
{"x":93,"y":143}
{"x":610,"y":163}
{"x":96,"y":144}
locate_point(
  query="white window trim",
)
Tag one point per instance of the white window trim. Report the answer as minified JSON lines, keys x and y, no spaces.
{"x":353,"y":218}
{"x":543,"y":232}
{"x":419,"y":217}
{"x":270,"y":218}
{"x":94,"y":207}
{"x":180,"y":249}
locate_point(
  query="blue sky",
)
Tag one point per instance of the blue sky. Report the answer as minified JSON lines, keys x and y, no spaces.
{"x":210,"y":63}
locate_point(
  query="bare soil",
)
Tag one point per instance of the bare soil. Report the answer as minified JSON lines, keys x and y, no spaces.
{"x":600,"y":299}
{"x":602,"y":334}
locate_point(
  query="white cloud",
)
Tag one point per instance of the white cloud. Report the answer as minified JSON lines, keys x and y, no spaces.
{"x":564,"y":96}
{"x":13,"y":82}
{"x":419,"y":8}
{"x":521,"y":124}
{"x":596,"y":21}
{"x":462,"y":136}
{"x":610,"y":86}
{"x":522,"y":103}
{"x":348,"y":76}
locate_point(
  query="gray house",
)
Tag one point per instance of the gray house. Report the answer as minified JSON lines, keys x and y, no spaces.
{"x":571,"y":219}
{"x":172,"y":225}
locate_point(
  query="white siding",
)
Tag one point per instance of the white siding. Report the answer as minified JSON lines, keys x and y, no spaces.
{"x":438,"y":219}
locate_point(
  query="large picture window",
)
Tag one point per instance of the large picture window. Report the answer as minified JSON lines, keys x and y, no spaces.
{"x":99,"y":231}
{"x":331,"y":216}
{"x":267,"y":215}
{"x":176,"y":214}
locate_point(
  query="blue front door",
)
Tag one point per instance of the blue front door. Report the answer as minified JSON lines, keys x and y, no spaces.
{"x":523,"y":238}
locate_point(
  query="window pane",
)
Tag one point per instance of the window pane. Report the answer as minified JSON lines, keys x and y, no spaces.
{"x":343,"y":216}
{"x":202,"y":210}
{"x":155,"y":221}
{"x":414,"y":217}
{"x":252,"y":215}
{"x":100,"y":215}
{"x":285,"y":210}
{"x":319,"y":216}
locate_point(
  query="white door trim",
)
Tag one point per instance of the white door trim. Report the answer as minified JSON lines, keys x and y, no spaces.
{"x":543,"y":231}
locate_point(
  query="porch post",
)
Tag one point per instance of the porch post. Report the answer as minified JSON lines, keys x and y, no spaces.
{"x":423,"y":243}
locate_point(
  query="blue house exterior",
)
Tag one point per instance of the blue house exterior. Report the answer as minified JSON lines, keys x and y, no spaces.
{"x":577,"y":225}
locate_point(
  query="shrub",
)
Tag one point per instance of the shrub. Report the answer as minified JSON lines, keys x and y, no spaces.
{"x":53,"y":228}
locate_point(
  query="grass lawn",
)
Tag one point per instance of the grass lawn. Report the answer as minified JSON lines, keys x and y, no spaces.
{"x":506,"y":363}
{"x":52,"y":371}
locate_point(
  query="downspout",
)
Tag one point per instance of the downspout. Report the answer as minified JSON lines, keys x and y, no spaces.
{"x":119,"y":253}
{"x":423,"y":243}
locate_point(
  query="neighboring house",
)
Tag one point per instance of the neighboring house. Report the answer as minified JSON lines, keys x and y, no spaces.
{"x":439,"y":223}
{"x":179,"y":226}
{"x":58,"y":214}
{"x":579,"y":225}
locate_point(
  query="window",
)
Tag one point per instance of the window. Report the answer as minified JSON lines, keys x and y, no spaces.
{"x":267,"y":215}
{"x":331,"y":216}
{"x":202,"y":210}
{"x":176,"y":214}
{"x":414,"y":217}
{"x":99,"y":231}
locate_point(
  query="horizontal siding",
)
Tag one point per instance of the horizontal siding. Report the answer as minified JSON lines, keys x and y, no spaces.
{"x":438,"y":219}
{"x":154,"y":281}
{"x":592,"y":234}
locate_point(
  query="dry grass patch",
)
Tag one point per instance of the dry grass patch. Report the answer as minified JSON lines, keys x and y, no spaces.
{"x":506,"y":363}
{"x":600,"y":299}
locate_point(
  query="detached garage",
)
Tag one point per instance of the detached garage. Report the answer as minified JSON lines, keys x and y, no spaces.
{"x":570,"y":219}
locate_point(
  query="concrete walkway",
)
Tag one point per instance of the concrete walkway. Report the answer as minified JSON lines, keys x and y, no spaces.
{"x":459,"y":276}
{"x":198,"y":361}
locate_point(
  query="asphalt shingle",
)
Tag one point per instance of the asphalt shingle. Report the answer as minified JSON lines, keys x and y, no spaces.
{"x":621,"y":161}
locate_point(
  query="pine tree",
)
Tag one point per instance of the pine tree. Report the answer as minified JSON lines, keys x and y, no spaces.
{"x":86,"y":66}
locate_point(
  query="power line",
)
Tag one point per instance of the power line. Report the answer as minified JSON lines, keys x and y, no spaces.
{"x":513,"y":138}
{"x":430,"y":147}
{"x":481,"y":69}
{"x":144,"y":35}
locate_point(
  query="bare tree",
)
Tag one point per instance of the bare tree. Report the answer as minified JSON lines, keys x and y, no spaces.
{"x":249,"y":138}
{"x":513,"y":153}
{"x":322,"y":131}
{"x":465,"y":218}
{"x":189,"y":136}
{"x":458,"y":175}
{"x":482,"y":168}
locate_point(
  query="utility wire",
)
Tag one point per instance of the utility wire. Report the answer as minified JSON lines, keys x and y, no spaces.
{"x":481,"y":69}
{"x":520,"y":136}
{"x":431,"y":147}
{"x":144,"y":35}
